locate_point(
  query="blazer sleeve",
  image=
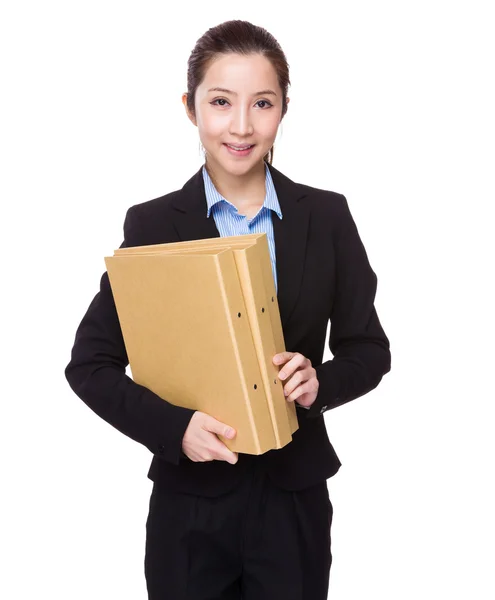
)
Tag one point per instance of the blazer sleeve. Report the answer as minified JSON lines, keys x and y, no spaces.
{"x":360,"y":348}
{"x":96,"y":373}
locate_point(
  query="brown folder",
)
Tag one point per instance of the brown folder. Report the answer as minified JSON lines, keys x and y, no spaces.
{"x":237,"y":243}
{"x":201,"y":324}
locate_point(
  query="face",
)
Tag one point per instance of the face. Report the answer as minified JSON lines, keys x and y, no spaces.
{"x":246,"y":111}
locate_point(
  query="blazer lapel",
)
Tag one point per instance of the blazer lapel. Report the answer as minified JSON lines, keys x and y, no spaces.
{"x":290,"y":232}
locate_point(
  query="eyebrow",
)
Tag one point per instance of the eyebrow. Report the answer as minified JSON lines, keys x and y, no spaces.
{"x":220,"y":89}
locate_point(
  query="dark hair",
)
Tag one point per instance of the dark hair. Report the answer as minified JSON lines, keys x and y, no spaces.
{"x":240,"y":37}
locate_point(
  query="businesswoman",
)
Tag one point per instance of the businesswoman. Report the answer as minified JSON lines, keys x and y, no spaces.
{"x":223,"y":525}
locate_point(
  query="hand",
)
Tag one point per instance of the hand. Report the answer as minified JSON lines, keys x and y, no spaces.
{"x":200,"y":443}
{"x":303,"y":385}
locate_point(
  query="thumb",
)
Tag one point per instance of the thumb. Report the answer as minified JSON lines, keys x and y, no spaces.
{"x":220,"y":428}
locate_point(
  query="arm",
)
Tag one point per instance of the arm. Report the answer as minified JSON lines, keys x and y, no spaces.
{"x":96,"y":373}
{"x":360,"y":348}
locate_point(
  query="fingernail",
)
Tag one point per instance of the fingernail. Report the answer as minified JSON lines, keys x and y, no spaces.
{"x":281,"y":375}
{"x":230,"y":432}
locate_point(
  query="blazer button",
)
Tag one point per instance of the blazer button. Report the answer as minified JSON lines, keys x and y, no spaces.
{"x":161,"y":449}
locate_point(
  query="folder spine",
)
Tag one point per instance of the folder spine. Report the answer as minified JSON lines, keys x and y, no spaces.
{"x":245,"y":354}
{"x":274,"y":312}
{"x":256,"y":300}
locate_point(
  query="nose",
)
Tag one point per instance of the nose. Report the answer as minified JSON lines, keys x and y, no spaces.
{"x":240,"y":123}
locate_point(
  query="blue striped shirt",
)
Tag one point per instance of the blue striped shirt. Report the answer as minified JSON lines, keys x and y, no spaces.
{"x":230,"y":222}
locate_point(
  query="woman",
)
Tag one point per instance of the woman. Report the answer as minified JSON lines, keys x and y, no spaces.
{"x":222,"y":525}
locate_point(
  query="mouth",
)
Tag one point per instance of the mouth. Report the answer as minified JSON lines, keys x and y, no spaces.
{"x":242,"y":150}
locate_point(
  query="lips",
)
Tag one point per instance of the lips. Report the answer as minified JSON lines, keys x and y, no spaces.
{"x":239,"y":151}
{"x":240,"y":146}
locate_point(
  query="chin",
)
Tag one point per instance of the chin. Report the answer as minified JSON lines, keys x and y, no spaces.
{"x":242,"y":169}
{"x":239,"y":166}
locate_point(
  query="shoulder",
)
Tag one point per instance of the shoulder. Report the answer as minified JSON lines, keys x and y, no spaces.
{"x":153,"y":208}
{"x":151,"y":221}
{"x":322,"y":195}
{"x":162,"y":206}
{"x":329,"y":209}
{"x":325,"y":202}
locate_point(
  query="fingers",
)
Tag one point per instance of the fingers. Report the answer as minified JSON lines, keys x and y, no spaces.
{"x":220,"y":451}
{"x":293,"y":361}
{"x":297,"y":379}
{"x":211,"y":424}
{"x":200,"y":442}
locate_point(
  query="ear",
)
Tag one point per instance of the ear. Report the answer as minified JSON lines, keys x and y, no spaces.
{"x":188,"y":112}
{"x":287,"y":100}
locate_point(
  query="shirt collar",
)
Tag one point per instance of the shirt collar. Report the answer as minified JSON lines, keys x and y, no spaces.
{"x":213,"y":196}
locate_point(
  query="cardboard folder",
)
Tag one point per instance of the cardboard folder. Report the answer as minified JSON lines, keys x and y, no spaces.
{"x":238,"y":242}
{"x":201,"y":324}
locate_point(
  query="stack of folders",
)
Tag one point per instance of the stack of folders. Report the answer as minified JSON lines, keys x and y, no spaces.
{"x":201,"y":325}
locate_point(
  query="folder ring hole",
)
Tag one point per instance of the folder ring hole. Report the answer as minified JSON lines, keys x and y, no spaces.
{"x":262,"y":309}
{"x":255,"y":387}
{"x":238,"y":314}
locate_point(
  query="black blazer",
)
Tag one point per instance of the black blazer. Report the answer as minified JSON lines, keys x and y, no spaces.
{"x":323,"y":273}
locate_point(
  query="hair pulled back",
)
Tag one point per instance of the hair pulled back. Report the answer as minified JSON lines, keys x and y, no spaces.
{"x":240,"y":37}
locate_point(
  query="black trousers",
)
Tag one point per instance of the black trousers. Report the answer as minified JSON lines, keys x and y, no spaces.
{"x":256,"y":542}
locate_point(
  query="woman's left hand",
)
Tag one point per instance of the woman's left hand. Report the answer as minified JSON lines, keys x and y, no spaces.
{"x":303,"y":385}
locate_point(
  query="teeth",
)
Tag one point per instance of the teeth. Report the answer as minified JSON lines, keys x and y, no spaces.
{"x":235,"y":147}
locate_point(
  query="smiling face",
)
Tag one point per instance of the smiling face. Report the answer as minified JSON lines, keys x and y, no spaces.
{"x":238,"y":103}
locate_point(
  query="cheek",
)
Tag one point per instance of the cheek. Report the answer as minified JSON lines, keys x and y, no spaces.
{"x":212,"y":134}
{"x":211,"y":126}
{"x":270,"y":128}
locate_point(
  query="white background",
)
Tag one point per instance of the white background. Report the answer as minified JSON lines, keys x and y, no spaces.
{"x":392,"y":104}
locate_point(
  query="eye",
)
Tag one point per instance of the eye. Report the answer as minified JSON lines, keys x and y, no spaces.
{"x":214,"y":102}
{"x":266,"y":102}
{"x":218,"y":100}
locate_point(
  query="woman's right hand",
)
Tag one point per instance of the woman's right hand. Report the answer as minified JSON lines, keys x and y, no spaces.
{"x":200,"y":443}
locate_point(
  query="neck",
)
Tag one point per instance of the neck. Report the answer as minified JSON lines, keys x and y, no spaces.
{"x":241,"y":190}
